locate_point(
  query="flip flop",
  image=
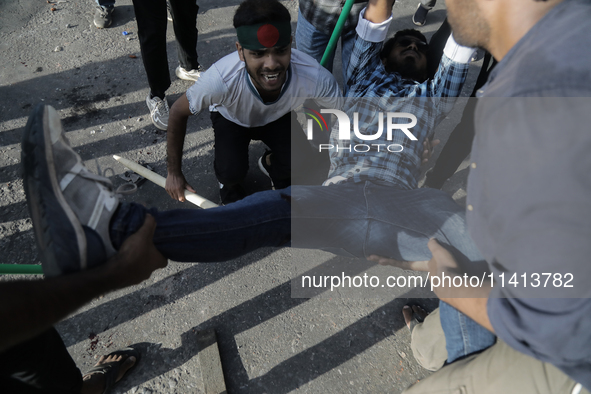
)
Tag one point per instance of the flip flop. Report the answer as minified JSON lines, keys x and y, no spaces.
{"x":111,"y":369}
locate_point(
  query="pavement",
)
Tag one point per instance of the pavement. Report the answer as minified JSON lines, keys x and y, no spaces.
{"x":269,"y":340}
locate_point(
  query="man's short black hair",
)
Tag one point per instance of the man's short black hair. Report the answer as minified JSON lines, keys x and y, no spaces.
{"x":388,"y":45}
{"x":252,"y":12}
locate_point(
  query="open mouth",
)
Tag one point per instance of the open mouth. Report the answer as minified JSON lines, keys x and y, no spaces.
{"x":271,"y":77}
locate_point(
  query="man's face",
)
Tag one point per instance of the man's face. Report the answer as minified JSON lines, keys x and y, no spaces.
{"x":267,"y":67}
{"x":468,"y":23}
{"x":408,"y":57}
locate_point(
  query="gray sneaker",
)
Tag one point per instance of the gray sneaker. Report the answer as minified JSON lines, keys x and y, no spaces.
{"x":70,"y":206}
{"x":158,"y":111}
{"x":102,"y":17}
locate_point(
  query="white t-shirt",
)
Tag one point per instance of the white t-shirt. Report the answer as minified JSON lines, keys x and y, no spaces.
{"x":226,"y":88}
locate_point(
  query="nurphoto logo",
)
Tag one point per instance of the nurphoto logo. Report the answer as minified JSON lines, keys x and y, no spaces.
{"x":344,"y":130}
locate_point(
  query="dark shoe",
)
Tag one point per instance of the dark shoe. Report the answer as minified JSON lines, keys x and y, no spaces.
{"x":264,"y":167}
{"x":232,"y":193}
{"x":420,"y":16}
{"x":70,"y":207}
{"x":432,"y":181}
{"x":102,"y":17}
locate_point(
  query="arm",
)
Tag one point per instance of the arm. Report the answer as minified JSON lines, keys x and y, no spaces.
{"x":469,"y":300}
{"x":175,"y":139}
{"x":32,"y":307}
{"x":378,"y":11}
{"x":371,"y":32}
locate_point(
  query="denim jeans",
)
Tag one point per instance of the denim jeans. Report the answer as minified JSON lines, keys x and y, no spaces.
{"x":350,"y":219}
{"x":313,"y":42}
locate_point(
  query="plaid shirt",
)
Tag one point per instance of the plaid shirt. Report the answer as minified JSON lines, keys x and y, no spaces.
{"x":323,"y":14}
{"x":373,"y":90}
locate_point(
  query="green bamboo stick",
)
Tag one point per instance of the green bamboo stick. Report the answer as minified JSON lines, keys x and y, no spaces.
{"x":18,"y":269}
{"x":336,"y":33}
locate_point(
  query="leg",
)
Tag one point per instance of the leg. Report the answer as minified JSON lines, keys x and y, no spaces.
{"x":499,"y":369}
{"x":212,"y":235}
{"x":311,"y":41}
{"x":230,"y":150}
{"x":456,"y":149}
{"x":359,"y":220}
{"x":459,"y":144}
{"x":184,"y":21}
{"x":151,"y":24}
{"x":293,"y":158}
{"x":41,"y":364}
{"x":427,"y":338}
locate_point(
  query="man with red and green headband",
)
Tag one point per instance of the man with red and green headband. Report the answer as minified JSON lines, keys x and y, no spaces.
{"x":251,"y":94}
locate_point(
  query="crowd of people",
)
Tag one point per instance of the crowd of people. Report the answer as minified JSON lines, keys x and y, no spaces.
{"x":528,"y":205}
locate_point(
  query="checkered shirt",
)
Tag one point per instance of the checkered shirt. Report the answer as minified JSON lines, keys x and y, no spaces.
{"x":373,"y":90}
{"x":323,"y":14}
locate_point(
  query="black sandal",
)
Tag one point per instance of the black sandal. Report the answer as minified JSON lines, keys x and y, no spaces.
{"x":110,"y":370}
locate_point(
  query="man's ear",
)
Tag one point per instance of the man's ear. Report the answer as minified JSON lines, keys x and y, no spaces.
{"x":240,"y":51}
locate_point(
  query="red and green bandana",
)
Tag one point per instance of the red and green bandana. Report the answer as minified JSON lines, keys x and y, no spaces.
{"x":264,"y":35}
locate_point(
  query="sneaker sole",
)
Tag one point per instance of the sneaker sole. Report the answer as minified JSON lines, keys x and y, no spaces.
{"x":264,"y":171}
{"x":50,"y":213}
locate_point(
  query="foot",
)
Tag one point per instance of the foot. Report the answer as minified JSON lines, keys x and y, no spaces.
{"x":420,"y":16}
{"x":413,"y":315}
{"x":189,"y":75}
{"x":70,"y":207}
{"x":102,"y":17}
{"x":98,"y":379}
{"x":432,"y":181}
{"x":231,"y":193}
{"x":168,"y":14}
{"x":265,"y":165}
{"x":158,"y":111}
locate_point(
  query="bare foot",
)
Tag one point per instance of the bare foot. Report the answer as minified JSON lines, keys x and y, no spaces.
{"x":94,"y":383}
{"x":411,"y":313}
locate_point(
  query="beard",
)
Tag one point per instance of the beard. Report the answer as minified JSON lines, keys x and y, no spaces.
{"x":407,"y":69}
{"x":469,"y":27}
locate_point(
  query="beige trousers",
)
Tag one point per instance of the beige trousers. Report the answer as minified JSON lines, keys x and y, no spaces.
{"x":498,"y":370}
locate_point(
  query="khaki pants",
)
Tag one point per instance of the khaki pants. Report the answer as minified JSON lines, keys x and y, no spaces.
{"x":499,"y":369}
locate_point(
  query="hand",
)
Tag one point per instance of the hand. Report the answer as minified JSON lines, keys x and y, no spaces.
{"x":176,"y":185}
{"x":138,"y":257}
{"x":406,"y":265}
{"x":428,"y":146}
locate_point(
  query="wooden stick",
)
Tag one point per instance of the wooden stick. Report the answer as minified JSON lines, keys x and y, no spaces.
{"x":161,"y":181}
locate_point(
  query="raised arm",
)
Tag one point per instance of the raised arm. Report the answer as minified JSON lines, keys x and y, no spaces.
{"x":175,"y":139}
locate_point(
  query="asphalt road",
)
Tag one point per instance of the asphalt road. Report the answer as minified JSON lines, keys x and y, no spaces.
{"x":350,"y":341}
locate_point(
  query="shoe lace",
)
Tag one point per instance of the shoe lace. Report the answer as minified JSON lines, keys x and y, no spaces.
{"x":161,"y":106}
{"x":125,"y":189}
{"x":103,"y":12}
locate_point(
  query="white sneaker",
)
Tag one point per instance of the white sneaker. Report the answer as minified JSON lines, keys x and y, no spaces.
{"x":191,"y":75}
{"x":158,"y":111}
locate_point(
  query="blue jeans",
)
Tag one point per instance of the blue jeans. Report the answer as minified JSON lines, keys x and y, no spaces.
{"x":105,"y":3}
{"x":313,"y":42}
{"x":354,"y":220}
